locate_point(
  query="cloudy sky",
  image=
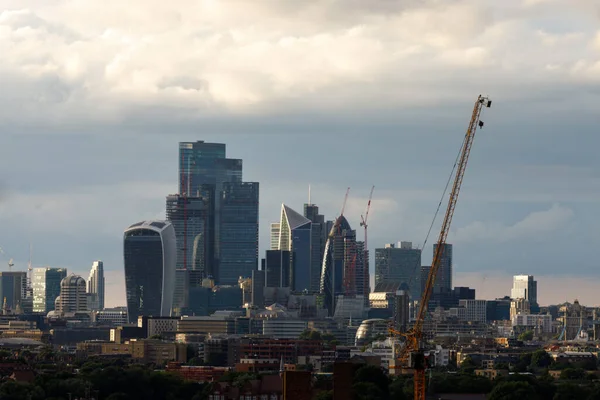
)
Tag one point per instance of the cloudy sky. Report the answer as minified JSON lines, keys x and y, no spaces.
{"x":95,"y":96}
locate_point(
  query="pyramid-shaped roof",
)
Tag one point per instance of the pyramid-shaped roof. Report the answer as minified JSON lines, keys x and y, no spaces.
{"x":294,"y":219}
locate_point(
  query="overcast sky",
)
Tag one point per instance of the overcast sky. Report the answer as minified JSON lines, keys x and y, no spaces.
{"x":95,"y":96}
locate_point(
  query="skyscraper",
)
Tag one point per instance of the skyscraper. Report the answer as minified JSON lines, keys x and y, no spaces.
{"x":295,"y":237}
{"x":524,"y":287}
{"x":46,"y":288}
{"x":443,"y":282}
{"x":96,"y":282}
{"x":72,"y":297}
{"x":275,"y":228}
{"x":13,"y":286}
{"x":401,"y":265}
{"x":277,"y":267}
{"x":193,"y":220}
{"x":319,"y":233}
{"x":150,"y":255}
{"x":238,"y":232}
{"x":235,"y":207}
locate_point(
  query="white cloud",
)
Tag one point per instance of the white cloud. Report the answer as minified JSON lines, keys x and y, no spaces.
{"x":535,"y":224}
{"x":239,"y":56}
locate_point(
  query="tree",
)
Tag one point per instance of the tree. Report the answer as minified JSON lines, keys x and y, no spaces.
{"x":325,"y":395}
{"x":368,"y":391}
{"x":396,"y":389}
{"x":513,"y":391}
{"x":571,"y":391}
{"x":540,"y":359}
{"x":373,"y":375}
{"x":310,"y":334}
{"x":468,"y":365}
{"x":572,"y":374}
{"x":525,"y":336}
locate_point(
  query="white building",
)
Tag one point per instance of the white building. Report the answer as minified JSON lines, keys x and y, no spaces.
{"x":524,"y":287}
{"x":539,"y":323}
{"x":475,"y":310}
{"x":96,"y":282}
{"x":284,"y":328}
{"x":72,"y":297}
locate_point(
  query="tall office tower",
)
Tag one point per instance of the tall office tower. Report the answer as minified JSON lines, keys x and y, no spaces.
{"x":278,"y":268}
{"x":46,"y":288}
{"x":96,"y":282}
{"x":202,"y":163}
{"x":340,"y":248}
{"x":525,"y":287}
{"x":13,"y":287}
{"x":317,"y":245}
{"x":239,"y":232}
{"x":275,"y":228}
{"x":258,"y":284}
{"x":443,"y":281}
{"x":193,"y":221}
{"x":401,"y":310}
{"x":295,"y":237}
{"x":72,"y":297}
{"x":150,"y":254}
{"x":400,"y":265}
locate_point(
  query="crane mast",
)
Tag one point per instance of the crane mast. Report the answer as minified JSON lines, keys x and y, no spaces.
{"x":411,"y":353}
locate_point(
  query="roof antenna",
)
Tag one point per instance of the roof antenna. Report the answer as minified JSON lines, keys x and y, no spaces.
{"x":309,"y":203}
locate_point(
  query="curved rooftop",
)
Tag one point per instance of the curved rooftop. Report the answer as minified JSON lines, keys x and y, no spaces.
{"x":155,"y":225}
{"x":369,"y":329}
{"x":72,"y":280}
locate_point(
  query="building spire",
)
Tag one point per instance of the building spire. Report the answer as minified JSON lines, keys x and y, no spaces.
{"x":309,"y":203}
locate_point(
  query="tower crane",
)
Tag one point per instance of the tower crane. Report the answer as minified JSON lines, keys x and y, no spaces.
{"x":363,"y":222}
{"x":411,"y":354}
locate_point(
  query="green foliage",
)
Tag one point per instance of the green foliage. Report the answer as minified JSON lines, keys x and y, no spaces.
{"x":571,"y":391}
{"x":396,"y":389}
{"x":525,"y":336}
{"x":573,"y":374}
{"x":325,"y":395}
{"x":468,"y":366}
{"x":195,"y":361}
{"x":368,"y":391}
{"x":513,"y":391}
{"x":310,"y":334}
{"x":372,"y":375}
{"x":540,"y":359}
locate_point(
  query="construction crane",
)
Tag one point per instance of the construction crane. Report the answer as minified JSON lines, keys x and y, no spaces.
{"x":412,"y":354}
{"x":363,"y":222}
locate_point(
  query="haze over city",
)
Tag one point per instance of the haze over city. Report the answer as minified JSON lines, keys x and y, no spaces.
{"x":322,"y":93}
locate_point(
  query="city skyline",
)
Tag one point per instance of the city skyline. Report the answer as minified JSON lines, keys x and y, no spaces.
{"x":359,"y":96}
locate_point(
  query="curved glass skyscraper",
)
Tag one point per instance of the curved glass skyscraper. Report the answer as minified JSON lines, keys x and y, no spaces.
{"x":150,"y":256}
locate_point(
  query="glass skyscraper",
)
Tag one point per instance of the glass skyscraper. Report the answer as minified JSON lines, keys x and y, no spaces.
{"x":443,"y":281}
{"x":149,"y":252}
{"x":13,"y":286}
{"x":238,"y":232}
{"x":235,"y":222}
{"x":46,"y":288}
{"x":400,"y":265}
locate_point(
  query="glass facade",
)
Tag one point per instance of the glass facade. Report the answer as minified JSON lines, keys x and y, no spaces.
{"x":278,"y":268}
{"x":46,"y":288}
{"x":238,"y":231}
{"x":401,"y":266}
{"x":149,"y":256}
{"x":12,"y":288}
{"x":236,"y":248}
{"x":443,"y":280}
{"x":317,"y":244}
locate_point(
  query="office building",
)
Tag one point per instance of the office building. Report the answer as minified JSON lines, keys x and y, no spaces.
{"x":401,"y":311}
{"x":46,"y":288}
{"x":295,"y":237}
{"x":277,"y":267}
{"x":443,"y":281}
{"x":150,"y":254}
{"x":72,"y":297}
{"x":258,"y":284}
{"x":524,"y":287}
{"x":13,"y":286}
{"x":193,"y":219}
{"x":239,"y":232}
{"x":317,"y":245}
{"x":96,"y":282}
{"x":275,"y":228}
{"x":399,"y":264}
{"x":475,"y":310}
